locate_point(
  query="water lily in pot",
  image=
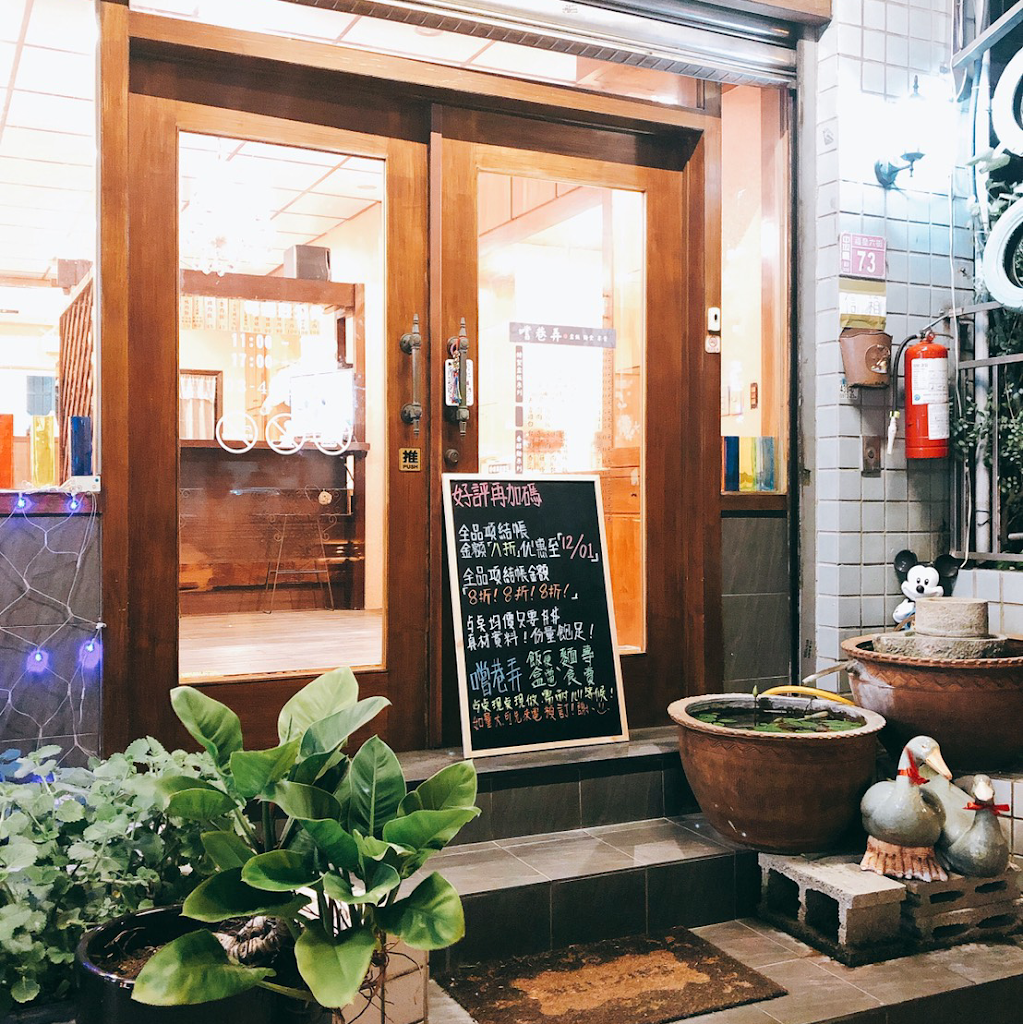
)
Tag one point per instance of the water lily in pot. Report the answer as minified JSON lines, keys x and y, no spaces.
{"x":307,"y":891}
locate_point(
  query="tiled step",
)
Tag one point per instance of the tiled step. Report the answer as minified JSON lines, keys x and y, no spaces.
{"x":527,"y":894}
{"x":575,"y":788}
{"x":979,"y":982}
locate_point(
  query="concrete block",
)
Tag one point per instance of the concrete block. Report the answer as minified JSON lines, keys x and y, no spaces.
{"x":853,"y":915}
{"x":927,"y":899}
{"x":971,"y":924}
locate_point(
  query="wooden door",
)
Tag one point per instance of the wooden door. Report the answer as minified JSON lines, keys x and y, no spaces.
{"x":264,"y":546}
{"x":578,"y":260}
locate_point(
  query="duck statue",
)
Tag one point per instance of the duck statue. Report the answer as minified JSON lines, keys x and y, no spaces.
{"x":981,"y":851}
{"x":901,"y":824}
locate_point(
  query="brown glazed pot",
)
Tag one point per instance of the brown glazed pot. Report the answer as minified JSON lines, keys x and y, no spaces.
{"x":972,"y":707}
{"x":784,"y":792}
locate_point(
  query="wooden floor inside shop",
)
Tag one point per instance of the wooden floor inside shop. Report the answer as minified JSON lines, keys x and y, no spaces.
{"x":254,"y":643}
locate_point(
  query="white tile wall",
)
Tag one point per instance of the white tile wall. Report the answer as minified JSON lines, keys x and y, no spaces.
{"x":867,"y":55}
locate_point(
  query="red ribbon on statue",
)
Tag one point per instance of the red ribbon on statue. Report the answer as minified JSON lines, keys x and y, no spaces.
{"x":998,"y":810}
{"x":913,"y":772}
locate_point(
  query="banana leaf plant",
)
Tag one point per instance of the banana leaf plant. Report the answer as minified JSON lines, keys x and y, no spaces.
{"x":321,"y":844}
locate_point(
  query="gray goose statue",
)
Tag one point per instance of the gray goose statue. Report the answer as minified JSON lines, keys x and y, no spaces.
{"x":981,"y":851}
{"x":902,"y":826}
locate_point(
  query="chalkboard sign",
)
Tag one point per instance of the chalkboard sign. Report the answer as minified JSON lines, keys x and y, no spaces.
{"x":535,"y":634}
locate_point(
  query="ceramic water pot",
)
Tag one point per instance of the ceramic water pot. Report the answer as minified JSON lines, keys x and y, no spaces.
{"x":783,"y":792}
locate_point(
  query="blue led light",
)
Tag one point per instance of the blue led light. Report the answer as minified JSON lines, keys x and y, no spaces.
{"x":37,"y":662}
{"x":74,"y":504}
{"x":90,"y":654}
{"x":22,"y":501}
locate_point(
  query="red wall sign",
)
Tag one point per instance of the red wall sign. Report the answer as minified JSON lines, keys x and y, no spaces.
{"x":862,"y":255}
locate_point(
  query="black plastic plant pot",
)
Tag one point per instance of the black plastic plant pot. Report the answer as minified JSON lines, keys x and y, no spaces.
{"x":105,"y":998}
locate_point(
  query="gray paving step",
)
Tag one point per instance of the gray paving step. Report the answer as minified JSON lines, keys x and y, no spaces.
{"x":971,"y":983}
{"x":551,"y":890}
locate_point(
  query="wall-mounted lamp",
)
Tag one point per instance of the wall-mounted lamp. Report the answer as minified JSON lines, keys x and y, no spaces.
{"x":910,"y":119}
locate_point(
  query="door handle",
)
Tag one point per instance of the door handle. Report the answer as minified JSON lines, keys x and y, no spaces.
{"x":459,"y":348}
{"x":411,"y":344}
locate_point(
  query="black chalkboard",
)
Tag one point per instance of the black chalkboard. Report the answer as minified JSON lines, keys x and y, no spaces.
{"x":534,"y":625}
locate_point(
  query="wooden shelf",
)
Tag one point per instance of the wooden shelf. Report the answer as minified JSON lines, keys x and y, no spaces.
{"x":48,"y":503}
{"x":753,"y":501}
{"x":356,"y":448}
{"x":268,"y":289}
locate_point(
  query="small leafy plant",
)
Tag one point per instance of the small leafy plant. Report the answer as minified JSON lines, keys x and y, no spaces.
{"x":80,"y":846}
{"x":309,"y":875}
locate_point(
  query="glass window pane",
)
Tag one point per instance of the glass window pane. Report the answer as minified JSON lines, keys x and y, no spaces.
{"x":280,"y":339}
{"x":754,"y":290}
{"x":562,"y":340}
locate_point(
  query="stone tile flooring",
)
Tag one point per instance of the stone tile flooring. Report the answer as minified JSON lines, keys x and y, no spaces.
{"x":820,"y":989}
{"x":576,"y":853}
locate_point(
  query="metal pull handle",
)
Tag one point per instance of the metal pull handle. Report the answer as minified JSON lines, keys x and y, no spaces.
{"x":460,"y":413}
{"x":411,"y":344}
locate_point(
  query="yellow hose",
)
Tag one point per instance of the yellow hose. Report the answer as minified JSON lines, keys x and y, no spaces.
{"x":808,"y":691}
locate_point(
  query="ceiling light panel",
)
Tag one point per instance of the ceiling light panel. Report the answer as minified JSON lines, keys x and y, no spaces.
{"x":16,"y":171}
{"x":56,"y":199}
{"x":270,"y":151}
{"x":7,"y":51}
{"x":303,"y":224}
{"x":63,"y":25}
{"x":277,"y":17}
{"x":12,"y":13}
{"x":52,"y":113}
{"x":58,"y":147}
{"x":274,"y":173}
{"x":395,"y":37}
{"x":56,"y":72}
{"x":362,"y":185}
{"x":528,"y":62}
{"x":338,"y":207}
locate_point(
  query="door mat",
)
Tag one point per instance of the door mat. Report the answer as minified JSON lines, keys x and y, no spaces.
{"x":638,"y":980}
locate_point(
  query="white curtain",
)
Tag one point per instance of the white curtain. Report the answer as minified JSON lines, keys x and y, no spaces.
{"x":197,"y":406}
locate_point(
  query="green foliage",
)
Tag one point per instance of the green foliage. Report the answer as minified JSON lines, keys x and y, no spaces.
{"x":80,"y":846}
{"x":313,"y":826}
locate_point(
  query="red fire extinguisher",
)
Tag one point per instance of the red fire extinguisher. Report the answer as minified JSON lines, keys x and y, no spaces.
{"x":927,"y":399}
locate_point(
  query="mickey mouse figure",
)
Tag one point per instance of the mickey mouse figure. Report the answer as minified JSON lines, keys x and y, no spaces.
{"x":922,"y":579}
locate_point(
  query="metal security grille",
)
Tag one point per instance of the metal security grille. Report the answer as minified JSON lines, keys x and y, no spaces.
{"x":682,"y":38}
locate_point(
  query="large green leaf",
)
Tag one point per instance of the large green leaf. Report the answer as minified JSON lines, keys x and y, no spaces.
{"x":453,"y":786}
{"x":254,"y":770}
{"x":377,"y":787}
{"x":324,"y":696}
{"x":430,"y":918}
{"x":311,"y":769}
{"x":226,"y":850}
{"x":380,"y":882}
{"x":193,"y":968}
{"x":428,"y":830}
{"x":225,"y":895}
{"x":167,"y":785}
{"x":298,"y":801}
{"x":334,"y":968}
{"x":279,"y":871}
{"x":333,"y":732}
{"x":334,"y":842}
{"x":199,"y":804}
{"x":211,"y":723}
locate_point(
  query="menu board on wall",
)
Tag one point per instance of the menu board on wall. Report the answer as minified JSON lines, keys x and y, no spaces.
{"x":535,"y":639}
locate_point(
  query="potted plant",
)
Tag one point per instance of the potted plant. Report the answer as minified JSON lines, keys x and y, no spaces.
{"x":78,"y":847}
{"x":304,"y":906}
{"x":777,"y":773}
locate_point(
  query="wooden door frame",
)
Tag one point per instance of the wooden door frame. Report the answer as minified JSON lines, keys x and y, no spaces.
{"x":682,"y":492}
{"x":140,"y":653}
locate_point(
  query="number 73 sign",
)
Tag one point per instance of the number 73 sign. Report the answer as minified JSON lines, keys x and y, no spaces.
{"x":862,"y":255}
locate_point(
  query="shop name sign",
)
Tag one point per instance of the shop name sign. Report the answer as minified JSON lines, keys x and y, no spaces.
{"x":862,"y":255}
{"x":559,"y":334}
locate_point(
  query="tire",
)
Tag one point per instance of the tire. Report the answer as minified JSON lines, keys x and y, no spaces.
{"x":1002,"y":288}
{"x":1005,"y":112}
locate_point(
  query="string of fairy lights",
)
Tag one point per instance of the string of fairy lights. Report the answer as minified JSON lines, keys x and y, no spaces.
{"x":57,"y":533}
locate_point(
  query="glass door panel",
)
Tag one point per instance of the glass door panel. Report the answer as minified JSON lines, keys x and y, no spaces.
{"x":282,"y":475}
{"x":562,"y":336}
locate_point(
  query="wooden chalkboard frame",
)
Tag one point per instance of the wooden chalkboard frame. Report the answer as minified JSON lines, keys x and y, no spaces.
{"x":457,"y":614}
